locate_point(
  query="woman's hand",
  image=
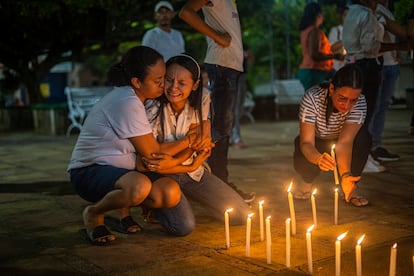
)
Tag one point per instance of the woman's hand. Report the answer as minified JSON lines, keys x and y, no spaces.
{"x":325,"y":162}
{"x":348,"y":185}
{"x":159,"y":161}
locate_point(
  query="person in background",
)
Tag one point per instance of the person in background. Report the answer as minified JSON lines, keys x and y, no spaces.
{"x":335,"y":38}
{"x":362,"y":38}
{"x":317,"y":56}
{"x":104,"y":164}
{"x":243,"y":88}
{"x":166,"y":40}
{"x":390,"y":73}
{"x":332,"y":113}
{"x":186,"y":103}
{"x":224,"y":63}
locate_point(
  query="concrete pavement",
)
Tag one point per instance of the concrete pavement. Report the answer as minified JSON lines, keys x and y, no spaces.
{"x":40,"y":215}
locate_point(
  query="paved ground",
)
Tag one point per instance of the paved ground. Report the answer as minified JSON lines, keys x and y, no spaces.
{"x":40,"y":215}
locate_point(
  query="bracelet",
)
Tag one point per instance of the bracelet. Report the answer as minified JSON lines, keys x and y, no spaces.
{"x":345,"y":174}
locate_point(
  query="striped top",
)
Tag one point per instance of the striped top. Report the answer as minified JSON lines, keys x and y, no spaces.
{"x":313,"y":111}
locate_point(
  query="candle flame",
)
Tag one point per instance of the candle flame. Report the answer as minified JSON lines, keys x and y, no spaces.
{"x":288,"y":220}
{"x":314,"y":192}
{"x":310,"y":228}
{"x":261,"y":202}
{"x":333,"y":147}
{"x":361,"y":239}
{"x":336,"y":190}
{"x":395,"y":245}
{"x":229,"y":210}
{"x":340,"y":237}
{"x":268,"y":218}
{"x":290,"y":186}
{"x":250,"y":215}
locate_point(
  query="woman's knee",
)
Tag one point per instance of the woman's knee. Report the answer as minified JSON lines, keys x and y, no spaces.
{"x":136,"y":187}
{"x":166,"y":192}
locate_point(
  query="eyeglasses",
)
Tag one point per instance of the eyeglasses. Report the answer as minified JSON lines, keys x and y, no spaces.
{"x":344,"y":100}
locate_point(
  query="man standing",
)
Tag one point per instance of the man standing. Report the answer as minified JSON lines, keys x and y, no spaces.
{"x":166,"y":40}
{"x":224,"y":63}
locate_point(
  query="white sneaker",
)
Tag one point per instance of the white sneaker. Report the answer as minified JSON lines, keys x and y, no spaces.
{"x":373,"y":166}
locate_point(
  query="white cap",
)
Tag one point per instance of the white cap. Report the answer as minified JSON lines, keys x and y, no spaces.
{"x":165,"y":4}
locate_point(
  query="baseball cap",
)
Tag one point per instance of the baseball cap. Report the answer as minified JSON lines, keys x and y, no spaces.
{"x":165,"y":4}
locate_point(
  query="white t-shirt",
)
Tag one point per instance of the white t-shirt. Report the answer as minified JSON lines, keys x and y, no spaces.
{"x":223,"y":17}
{"x":168,"y":44}
{"x":104,"y":136}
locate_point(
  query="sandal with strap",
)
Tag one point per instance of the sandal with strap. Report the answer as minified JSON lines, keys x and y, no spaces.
{"x":301,"y":195}
{"x":358,"y":201}
{"x":128,"y":223}
{"x":100,"y":235}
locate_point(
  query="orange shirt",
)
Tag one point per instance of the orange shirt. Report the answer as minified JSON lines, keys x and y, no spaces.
{"x":324,"y":47}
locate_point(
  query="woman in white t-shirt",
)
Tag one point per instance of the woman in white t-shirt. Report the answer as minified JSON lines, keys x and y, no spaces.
{"x":332,"y":114}
{"x":103,"y":167}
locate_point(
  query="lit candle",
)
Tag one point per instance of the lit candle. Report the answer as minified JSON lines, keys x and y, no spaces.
{"x":287,"y":227}
{"x":314,"y":208}
{"x":261,"y":220}
{"x":336,"y":207}
{"x":358,"y":256}
{"x":292,"y":209}
{"x":248,"y":231}
{"x":393,"y":259}
{"x":227,"y":227}
{"x":335,"y":171}
{"x":268,"y":241}
{"x":338,"y":253}
{"x":309,"y":248}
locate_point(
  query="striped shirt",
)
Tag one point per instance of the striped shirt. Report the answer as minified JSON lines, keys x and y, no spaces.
{"x":313,"y":111}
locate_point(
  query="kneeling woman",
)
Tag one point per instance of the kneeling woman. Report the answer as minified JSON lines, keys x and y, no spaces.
{"x":333,"y":114}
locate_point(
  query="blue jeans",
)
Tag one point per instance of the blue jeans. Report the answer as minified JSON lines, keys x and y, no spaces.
{"x":223,"y":86}
{"x":390,"y":75}
{"x":212,"y":193}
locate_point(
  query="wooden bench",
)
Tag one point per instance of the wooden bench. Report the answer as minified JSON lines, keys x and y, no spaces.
{"x":80,"y":102}
{"x":288,"y":93}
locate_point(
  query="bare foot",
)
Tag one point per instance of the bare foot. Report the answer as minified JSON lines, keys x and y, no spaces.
{"x":303,"y":191}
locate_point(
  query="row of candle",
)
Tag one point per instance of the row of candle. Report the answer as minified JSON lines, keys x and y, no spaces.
{"x":288,"y":229}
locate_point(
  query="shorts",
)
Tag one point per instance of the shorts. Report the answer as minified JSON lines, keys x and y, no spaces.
{"x":92,"y":183}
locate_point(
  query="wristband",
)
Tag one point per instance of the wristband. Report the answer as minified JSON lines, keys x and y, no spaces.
{"x":345,"y":174}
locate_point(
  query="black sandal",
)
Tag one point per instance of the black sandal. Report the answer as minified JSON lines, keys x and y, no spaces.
{"x":127,"y":222}
{"x":100,"y":235}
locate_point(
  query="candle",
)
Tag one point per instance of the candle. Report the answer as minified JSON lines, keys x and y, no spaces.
{"x":248,"y":231}
{"x":358,"y":256}
{"x":268,"y":241}
{"x":314,"y":208}
{"x":292,"y":210}
{"x":393,"y":259}
{"x":309,"y":248}
{"x":261,"y":220}
{"x":287,"y":227}
{"x":338,"y":253}
{"x":335,"y":171}
{"x":336,"y":207}
{"x":227,"y":227}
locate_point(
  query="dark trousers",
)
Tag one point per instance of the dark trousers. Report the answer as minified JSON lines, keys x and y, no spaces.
{"x":309,"y":171}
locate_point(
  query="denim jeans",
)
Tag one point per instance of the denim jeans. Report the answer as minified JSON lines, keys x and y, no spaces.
{"x":212,"y":193}
{"x":390,"y":75}
{"x":223,"y":86}
{"x":239,"y":107}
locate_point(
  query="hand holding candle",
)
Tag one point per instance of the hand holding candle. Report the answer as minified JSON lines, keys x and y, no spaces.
{"x":248,"y":232}
{"x":268,"y":242}
{"x":309,"y":248}
{"x":358,"y":256}
{"x":261,"y":220}
{"x":335,"y":171}
{"x":292,"y":209}
{"x":227,"y":227}
{"x":338,"y":253}
{"x":314,"y":208}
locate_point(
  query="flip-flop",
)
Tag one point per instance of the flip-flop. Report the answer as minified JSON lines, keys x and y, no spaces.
{"x":358,"y":201}
{"x":100,"y":235}
{"x":123,"y":225}
{"x":301,"y":195}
